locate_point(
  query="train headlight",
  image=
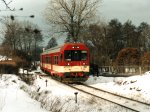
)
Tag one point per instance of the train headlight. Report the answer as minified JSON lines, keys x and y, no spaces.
{"x":84,"y":64}
{"x":75,"y":47}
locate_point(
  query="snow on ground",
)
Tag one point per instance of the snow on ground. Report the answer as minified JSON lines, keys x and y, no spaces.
{"x":53,"y":98}
{"x":13,"y":98}
{"x":135,"y":87}
{"x":16,"y":96}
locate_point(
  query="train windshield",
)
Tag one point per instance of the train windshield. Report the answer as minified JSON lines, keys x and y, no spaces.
{"x":75,"y":55}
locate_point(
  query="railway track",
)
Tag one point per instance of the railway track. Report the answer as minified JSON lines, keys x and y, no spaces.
{"x":127,"y":103}
{"x":113,"y":98}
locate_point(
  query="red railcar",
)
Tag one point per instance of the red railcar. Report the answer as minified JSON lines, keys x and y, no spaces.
{"x":68,"y":62}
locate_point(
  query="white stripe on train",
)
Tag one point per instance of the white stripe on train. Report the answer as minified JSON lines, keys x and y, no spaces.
{"x":63,"y":69}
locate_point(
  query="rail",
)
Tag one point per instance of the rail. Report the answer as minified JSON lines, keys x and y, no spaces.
{"x":121,"y":101}
{"x":114,"y":98}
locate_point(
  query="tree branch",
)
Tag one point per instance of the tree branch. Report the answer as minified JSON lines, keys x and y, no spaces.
{"x":7,"y":5}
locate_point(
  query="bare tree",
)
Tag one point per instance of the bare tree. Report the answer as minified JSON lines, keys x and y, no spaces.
{"x":51,"y":43}
{"x":6,"y":3}
{"x":21,"y":36}
{"x":71,"y":15}
{"x":11,"y":28}
{"x":95,"y":37}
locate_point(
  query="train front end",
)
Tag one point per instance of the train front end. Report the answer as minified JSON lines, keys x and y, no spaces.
{"x":75,"y":62}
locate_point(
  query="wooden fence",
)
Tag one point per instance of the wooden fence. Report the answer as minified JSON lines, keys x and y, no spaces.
{"x":122,"y":70}
{"x":8,"y":67}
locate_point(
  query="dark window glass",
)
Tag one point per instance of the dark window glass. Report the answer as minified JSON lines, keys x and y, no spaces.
{"x":68,"y":55}
{"x":56,"y":60}
{"x":75,"y":55}
{"x":83,"y":55}
{"x":49,"y":59}
{"x":60,"y":57}
{"x":46,"y":60}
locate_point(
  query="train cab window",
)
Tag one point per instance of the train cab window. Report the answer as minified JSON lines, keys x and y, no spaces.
{"x":83,"y":55}
{"x":75,"y":55}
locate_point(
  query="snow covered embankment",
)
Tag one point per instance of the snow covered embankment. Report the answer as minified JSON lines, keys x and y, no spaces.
{"x":56,"y":97}
{"x":135,"y":87}
{"x":14,"y":99}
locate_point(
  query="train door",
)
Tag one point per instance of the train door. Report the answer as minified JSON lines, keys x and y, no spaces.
{"x":52,"y":62}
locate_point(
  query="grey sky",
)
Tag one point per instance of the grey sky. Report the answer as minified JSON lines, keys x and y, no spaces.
{"x":135,"y":10}
{"x":30,"y":7}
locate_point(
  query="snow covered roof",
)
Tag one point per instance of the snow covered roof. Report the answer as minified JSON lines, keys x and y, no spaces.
{"x":2,"y":58}
{"x":52,"y":50}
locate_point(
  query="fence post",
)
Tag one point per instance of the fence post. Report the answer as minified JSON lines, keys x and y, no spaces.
{"x":140,"y":70}
{"x":109,"y":69}
{"x":76,"y":93}
{"x":46,"y":82}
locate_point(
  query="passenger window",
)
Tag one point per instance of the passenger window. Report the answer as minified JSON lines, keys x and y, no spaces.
{"x":68,"y":55}
{"x":56,"y":60}
{"x":60,"y":57}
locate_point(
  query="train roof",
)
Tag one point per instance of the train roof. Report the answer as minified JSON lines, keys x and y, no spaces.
{"x":58,"y":48}
{"x":54,"y":49}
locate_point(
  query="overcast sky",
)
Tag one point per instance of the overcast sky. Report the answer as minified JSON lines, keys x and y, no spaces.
{"x":135,"y":10}
{"x":30,"y":7}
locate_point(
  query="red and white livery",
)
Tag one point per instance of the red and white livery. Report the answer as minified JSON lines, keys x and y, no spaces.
{"x":68,"y":62}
